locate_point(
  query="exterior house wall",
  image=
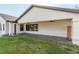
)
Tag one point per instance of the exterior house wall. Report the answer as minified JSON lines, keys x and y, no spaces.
{"x":57,"y":28}
{"x":9,"y":28}
{"x":2,"y":21}
{"x":41,"y":14}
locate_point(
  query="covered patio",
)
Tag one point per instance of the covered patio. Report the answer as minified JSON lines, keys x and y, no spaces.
{"x":53,"y":21}
{"x":58,"y":28}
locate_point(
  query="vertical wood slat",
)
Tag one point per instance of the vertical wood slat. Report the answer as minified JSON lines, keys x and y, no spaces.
{"x":69,"y":32}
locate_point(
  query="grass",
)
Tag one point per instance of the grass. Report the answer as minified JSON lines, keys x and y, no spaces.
{"x":23,"y":44}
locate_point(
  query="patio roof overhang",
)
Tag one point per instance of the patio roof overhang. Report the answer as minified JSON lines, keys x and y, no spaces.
{"x":52,"y":20}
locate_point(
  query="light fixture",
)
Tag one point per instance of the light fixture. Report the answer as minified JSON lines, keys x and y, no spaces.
{"x":52,"y":21}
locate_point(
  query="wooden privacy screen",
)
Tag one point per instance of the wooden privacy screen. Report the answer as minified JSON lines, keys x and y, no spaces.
{"x":69,"y":32}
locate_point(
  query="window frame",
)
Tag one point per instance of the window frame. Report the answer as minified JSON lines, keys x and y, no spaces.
{"x":0,"y":27}
{"x":27,"y":27}
{"x":3,"y":27}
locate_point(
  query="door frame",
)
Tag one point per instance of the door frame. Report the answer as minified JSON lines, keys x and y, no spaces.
{"x":14,"y":28}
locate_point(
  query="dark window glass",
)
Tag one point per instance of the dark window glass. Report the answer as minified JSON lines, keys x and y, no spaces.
{"x":28,"y":27}
{"x":21,"y":27}
{"x":36,"y":27}
{"x":32,"y":27}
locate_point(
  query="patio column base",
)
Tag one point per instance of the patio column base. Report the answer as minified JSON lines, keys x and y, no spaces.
{"x":75,"y":40}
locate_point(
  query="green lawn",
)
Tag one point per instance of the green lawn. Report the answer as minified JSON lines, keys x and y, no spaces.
{"x":23,"y":44}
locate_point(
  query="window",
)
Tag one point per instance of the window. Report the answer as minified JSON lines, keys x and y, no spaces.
{"x":32,"y":27}
{"x":28,"y":27}
{"x":21,"y":27}
{"x":36,"y":27}
{"x":3,"y":27}
{"x":0,"y":27}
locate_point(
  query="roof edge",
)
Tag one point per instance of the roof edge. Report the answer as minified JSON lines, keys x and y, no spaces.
{"x":24,"y":12}
{"x":57,"y":8}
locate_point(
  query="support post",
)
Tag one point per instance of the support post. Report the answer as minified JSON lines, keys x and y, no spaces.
{"x":75,"y":31}
{"x":11,"y":28}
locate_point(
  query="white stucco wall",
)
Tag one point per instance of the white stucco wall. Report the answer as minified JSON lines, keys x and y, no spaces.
{"x":2,"y":21}
{"x":41,"y":14}
{"x":7,"y":26}
{"x":57,"y":28}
